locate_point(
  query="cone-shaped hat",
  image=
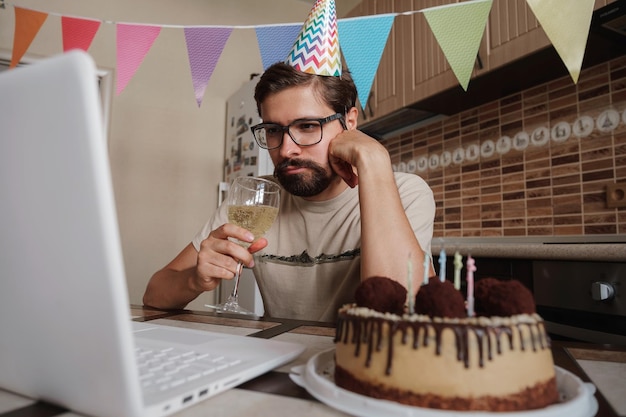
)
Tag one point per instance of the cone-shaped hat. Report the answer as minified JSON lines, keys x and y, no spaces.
{"x":316,"y":49}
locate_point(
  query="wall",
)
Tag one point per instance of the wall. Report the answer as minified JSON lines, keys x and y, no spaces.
{"x":166,"y":153}
{"x":567,"y":143}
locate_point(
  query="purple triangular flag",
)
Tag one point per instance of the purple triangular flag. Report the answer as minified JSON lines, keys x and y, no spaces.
{"x":204,"y":47}
{"x":275,"y":42}
{"x":362,"y":42}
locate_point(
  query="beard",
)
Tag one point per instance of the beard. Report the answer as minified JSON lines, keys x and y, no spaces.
{"x":306,"y":184}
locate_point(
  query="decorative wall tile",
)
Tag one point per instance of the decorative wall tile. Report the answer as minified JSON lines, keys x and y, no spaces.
{"x":534,"y":163}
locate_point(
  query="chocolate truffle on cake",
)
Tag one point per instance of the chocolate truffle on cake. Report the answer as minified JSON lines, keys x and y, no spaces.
{"x":494,"y":297}
{"x":490,"y":363}
{"x":440,"y":299}
{"x":381,"y":294}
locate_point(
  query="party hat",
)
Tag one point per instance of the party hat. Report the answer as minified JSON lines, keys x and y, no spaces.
{"x":316,"y":49}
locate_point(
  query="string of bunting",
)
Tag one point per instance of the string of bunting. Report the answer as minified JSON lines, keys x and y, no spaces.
{"x":457,"y":27}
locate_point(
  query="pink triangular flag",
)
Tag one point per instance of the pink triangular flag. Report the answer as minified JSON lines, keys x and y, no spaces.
{"x":133,"y":43}
{"x":204,"y":47}
{"x":27,"y":25}
{"x":78,"y":33}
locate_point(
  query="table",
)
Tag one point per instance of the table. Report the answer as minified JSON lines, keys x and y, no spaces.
{"x":275,"y":394}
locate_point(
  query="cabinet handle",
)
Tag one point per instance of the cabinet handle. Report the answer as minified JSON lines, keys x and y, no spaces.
{"x":602,"y":291}
{"x":369,"y":105}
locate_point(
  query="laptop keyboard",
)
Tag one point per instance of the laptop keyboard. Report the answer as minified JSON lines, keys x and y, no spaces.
{"x":162,"y":369}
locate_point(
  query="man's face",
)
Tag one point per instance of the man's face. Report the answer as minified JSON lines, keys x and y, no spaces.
{"x":302,"y":170}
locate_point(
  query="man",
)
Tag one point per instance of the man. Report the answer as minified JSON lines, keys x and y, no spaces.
{"x":344,"y":215}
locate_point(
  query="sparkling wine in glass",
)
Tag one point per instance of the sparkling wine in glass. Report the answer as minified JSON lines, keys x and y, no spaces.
{"x":252,"y":204}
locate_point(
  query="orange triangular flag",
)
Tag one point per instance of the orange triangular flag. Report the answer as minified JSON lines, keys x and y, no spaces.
{"x":78,"y":33}
{"x":27,"y":24}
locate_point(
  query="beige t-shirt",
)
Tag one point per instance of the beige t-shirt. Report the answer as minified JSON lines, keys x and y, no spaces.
{"x":311,"y":266}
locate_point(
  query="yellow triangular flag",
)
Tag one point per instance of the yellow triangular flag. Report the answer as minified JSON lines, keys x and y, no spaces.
{"x":566,"y":24}
{"x":458,"y":28}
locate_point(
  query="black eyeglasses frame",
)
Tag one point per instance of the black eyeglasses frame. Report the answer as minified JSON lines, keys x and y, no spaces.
{"x":322,"y":122}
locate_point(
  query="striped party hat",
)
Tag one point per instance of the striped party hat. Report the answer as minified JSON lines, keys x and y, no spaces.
{"x":316,"y":49}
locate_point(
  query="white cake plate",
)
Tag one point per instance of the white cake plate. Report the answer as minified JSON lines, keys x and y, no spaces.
{"x":317,"y":377}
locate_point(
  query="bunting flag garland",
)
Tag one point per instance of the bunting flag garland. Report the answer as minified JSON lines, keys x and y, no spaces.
{"x":133,"y":43}
{"x":27,"y":25}
{"x":275,"y":42}
{"x":78,"y":33}
{"x":567,"y":27}
{"x":459,"y":45}
{"x":373,"y":32}
{"x":457,"y":27}
{"x":204,"y":47}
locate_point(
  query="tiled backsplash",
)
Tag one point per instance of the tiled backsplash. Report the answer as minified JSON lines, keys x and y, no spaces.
{"x":535,"y":163}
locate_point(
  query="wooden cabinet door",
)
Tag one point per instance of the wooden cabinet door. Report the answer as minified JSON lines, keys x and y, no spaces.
{"x":514,"y":32}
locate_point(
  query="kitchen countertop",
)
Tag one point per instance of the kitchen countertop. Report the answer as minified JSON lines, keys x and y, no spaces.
{"x":607,"y":370}
{"x":575,"y":248}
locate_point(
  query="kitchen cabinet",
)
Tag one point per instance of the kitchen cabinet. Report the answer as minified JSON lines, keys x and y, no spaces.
{"x":412,"y":65}
{"x":513,"y":32}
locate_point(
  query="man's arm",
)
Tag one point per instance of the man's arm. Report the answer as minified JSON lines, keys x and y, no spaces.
{"x":173,"y":286}
{"x":387,"y":237}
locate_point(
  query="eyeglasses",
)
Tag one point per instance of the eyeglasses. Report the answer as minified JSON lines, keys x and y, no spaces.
{"x":304,"y":132}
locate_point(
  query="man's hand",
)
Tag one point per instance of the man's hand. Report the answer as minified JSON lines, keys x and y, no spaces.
{"x":351,"y":151}
{"x":218,"y":255}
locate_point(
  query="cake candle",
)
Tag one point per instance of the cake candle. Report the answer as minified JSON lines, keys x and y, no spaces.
{"x":458,"y":264}
{"x":426,"y":267}
{"x":409,"y":285}
{"x":471,"y":268}
{"x":442,"y":265}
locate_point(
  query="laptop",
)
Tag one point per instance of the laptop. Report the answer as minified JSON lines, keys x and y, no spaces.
{"x":66,"y":335}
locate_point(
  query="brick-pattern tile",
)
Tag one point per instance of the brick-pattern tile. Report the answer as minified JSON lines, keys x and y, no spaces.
{"x":553,"y":185}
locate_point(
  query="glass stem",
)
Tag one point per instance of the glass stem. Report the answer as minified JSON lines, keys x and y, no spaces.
{"x":234,"y":294}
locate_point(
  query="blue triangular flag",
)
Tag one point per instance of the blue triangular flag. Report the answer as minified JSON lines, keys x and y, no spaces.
{"x":275,"y":42}
{"x":362,"y":42}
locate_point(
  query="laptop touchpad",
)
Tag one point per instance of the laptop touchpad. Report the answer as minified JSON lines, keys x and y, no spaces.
{"x":171,"y":335}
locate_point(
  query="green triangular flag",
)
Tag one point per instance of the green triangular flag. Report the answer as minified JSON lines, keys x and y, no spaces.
{"x":458,"y":28}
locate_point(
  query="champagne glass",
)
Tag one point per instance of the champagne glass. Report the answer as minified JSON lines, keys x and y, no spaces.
{"x":252,"y":204}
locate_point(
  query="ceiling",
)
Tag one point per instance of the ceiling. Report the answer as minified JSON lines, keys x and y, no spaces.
{"x":341,"y":6}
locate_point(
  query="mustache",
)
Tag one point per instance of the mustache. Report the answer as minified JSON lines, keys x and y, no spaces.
{"x":298,"y":163}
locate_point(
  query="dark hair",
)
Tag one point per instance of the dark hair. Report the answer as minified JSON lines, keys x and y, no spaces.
{"x":338,"y":92}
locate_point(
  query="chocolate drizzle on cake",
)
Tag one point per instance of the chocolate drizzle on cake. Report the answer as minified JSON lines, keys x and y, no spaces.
{"x":382,"y":348}
{"x":368,"y":330}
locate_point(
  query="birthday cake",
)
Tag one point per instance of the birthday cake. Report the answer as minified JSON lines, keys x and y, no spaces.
{"x":438,"y":357}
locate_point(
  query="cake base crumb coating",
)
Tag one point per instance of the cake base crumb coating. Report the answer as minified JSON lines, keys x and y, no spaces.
{"x":538,"y":396}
